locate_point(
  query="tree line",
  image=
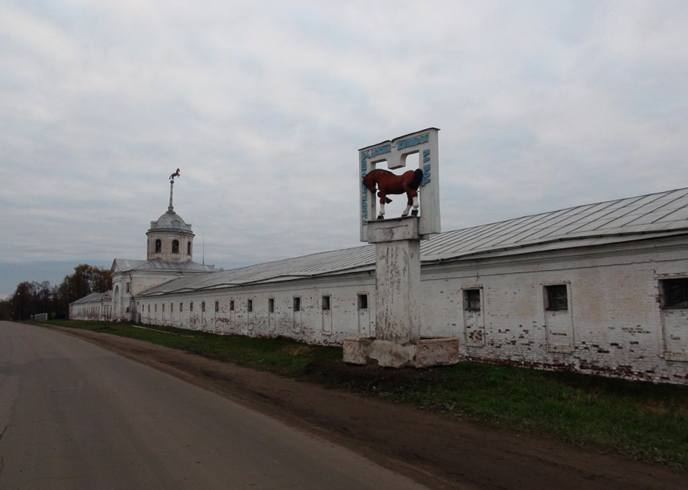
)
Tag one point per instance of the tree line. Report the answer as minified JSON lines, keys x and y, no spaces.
{"x":31,"y":297}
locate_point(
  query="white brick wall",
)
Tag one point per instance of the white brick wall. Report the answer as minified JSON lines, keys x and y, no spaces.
{"x":613,"y":324}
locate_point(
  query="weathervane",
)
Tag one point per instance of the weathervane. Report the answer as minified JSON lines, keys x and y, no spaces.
{"x":170,"y":208}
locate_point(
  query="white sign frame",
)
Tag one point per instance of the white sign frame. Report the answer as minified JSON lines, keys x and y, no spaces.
{"x":395,"y":152}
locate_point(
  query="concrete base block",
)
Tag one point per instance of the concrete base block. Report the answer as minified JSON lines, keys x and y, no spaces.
{"x":418,"y":354}
{"x":394,"y":229}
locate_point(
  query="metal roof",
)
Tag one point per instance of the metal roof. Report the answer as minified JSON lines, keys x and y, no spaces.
{"x":170,"y":221}
{"x":125,"y":265}
{"x":318,"y":264}
{"x":648,"y":216}
{"x":90,"y":298}
{"x":653,"y":213}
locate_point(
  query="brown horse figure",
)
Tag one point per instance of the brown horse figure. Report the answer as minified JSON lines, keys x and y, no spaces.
{"x":389,"y":183}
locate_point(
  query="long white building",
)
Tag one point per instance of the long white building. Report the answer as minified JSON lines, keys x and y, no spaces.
{"x":600,"y":288}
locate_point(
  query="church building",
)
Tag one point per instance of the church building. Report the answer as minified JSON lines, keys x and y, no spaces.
{"x":169,"y":255}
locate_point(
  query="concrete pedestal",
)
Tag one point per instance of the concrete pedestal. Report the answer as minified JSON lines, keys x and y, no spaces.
{"x":397,"y":291}
{"x":397,"y":339}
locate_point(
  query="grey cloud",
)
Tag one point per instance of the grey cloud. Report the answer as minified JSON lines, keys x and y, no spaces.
{"x":542,"y":105}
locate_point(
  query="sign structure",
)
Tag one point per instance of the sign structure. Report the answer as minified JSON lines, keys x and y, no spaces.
{"x":394,"y":153}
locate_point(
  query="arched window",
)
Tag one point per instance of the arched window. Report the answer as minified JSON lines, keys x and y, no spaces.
{"x":188,"y":248}
{"x":175,"y":246}
{"x":158,"y":246}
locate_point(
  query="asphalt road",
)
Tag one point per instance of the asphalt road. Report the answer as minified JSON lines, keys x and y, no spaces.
{"x":75,"y":416}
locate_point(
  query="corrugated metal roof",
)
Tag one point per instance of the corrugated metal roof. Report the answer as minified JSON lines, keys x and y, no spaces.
{"x":660,"y":214}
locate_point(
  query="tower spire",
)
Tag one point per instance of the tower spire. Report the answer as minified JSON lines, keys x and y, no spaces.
{"x":170,"y":208}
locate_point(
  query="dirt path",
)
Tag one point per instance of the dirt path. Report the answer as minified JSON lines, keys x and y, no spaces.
{"x":439,"y":451}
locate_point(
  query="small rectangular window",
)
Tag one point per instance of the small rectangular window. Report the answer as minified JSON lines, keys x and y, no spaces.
{"x":181,"y":307}
{"x":249,"y":305}
{"x":163,"y":307}
{"x":674,"y":293}
{"x":297,"y":303}
{"x":217,"y":306}
{"x":155,"y":308}
{"x":471,"y":299}
{"x":203,"y":306}
{"x":326,"y":303}
{"x":231,"y":305}
{"x":128,"y":287}
{"x":191,"y":306}
{"x":271,"y":305}
{"x":556,"y":297}
{"x":362,"y":301}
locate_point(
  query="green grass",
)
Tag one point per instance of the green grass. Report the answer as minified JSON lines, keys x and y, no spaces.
{"x":640,"y":420}
{"x":636,"y":419}
{"x":280,"y":355}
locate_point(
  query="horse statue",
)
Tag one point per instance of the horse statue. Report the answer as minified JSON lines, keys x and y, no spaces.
{"x":174,"y":175}
{"x":389,"y":183}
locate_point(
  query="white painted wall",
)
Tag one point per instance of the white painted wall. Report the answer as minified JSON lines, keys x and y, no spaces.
{"x":306,"y":324}
{"x":614,"y":324}
{"x":139,"y":281}
{"x":91,"y":311}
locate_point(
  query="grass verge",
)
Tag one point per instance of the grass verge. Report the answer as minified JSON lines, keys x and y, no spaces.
{"x":639,"y":420}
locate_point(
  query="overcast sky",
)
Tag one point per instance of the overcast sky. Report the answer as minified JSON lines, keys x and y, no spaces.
{"x":263,"y":105}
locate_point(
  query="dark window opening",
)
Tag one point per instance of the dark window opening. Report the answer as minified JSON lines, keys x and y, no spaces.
{"x":362,"y":301}
{"x":271,"y":305}
{"x":217,"y":306}
{"x":231,"y":305}
{"x":191,"y":306}
{"x":203,"y":306}
{"x":297,"y":304}
{"x":471,"y":299}
{"x":181,"y":306}
{"x":675,"y":293}
{"x":158,"y":246}
{"x":188,"y":248}
{"x":249,"y":305}
{"x":175,"y":246}
{"x":326,"y":303}
{"x":557,"y":297}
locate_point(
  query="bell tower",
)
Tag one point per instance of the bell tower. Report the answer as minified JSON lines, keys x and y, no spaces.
{"x":169,"y":238}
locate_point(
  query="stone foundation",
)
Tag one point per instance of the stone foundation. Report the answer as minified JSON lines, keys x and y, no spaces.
{"x":418,"y":354}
